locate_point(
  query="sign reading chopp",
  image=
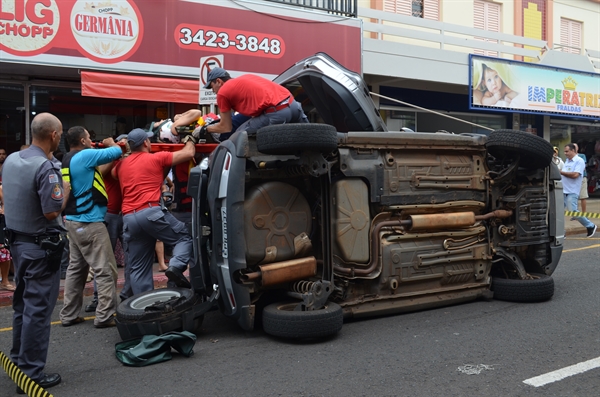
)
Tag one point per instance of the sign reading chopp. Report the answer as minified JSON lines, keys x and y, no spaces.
{"x":504,"y":85}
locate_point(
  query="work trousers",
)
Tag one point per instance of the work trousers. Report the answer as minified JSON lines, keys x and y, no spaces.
{"x":141,"y":229}
{"x":114,"y":225}
{"x":290,"y":114}
{"x":33,"y":302}
{"x":90,"y":247}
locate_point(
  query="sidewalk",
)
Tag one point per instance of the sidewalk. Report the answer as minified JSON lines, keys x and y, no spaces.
{"x":160,"y":281}
{"x":575,"y":228}
{"x":572,"y":228}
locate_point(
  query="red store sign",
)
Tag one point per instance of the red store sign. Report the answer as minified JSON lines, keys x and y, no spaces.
{"x":170,"y":36}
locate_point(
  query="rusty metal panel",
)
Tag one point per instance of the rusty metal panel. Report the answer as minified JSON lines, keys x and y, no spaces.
{"x":351,"y":221}
{"x":274,"y":214}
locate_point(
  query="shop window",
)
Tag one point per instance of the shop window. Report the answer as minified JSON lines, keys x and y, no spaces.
{"x":398,"y":119}
{"x":570,"y":36}
{"x":422,"y":121}
{"x":102,"y":117}
{"x":427,"y":9}
{"x":12,"y":116}
{"x":486,"y":16}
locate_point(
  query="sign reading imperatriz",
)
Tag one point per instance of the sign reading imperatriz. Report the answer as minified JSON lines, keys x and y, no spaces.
{"x":503,"y":85}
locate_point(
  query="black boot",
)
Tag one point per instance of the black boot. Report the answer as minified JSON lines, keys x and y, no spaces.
{"x":92,"y":306}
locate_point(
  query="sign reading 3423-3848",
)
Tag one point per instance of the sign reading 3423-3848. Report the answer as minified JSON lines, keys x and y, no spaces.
{"x":197,"y":37}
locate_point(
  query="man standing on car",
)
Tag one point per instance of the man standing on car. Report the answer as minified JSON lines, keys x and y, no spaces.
{"x":141,"y":176}
{"x":34,"y":197}
{"x":572,"y":175}
{"x":264,"y":101}
{"x":89,"y":242}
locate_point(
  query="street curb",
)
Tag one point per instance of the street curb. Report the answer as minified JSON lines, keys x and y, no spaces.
{"x":160,"y":281}
{"x":575,"y":231}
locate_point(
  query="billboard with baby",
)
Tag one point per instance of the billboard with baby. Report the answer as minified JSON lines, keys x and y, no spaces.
{"x":512,"y":86}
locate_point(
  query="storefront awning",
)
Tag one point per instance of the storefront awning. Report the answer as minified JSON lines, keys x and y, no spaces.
{"x":143,"y":88}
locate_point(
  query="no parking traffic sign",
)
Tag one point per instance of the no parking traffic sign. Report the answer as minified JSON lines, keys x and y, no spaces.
{"x":207,"y":97}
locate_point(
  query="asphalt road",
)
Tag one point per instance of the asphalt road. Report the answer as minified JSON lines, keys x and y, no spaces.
{"x":484,"y":348}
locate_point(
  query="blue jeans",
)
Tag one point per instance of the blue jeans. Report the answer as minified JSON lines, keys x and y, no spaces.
{"x":571,"y":205}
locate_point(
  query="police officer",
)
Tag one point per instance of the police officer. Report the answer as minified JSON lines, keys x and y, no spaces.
{"x":34,"y":197}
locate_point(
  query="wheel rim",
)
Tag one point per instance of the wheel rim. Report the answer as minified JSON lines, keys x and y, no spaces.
{"x":148,"y":300}
{"x":289,"y":307}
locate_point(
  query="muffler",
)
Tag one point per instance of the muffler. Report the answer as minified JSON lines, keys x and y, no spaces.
{"x":283,"y":272}
{"x":451,"y":220}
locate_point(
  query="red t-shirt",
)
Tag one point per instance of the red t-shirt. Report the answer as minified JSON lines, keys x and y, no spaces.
{"x":250,"y":95}
{"x":113,"y":189}
{"x":141,"y":176}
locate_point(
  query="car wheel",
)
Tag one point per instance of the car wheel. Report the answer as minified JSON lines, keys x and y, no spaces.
{"x":538,"y":289}
{"x":535,"y":152}
{"x":280,"y":319}
{"x":294,"y":138}
{"x":157,"y":304}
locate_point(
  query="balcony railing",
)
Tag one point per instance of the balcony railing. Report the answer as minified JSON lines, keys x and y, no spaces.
{"x":338,"y":7}
{"x":401,"y":29}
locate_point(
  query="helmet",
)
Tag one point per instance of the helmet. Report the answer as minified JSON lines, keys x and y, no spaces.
{"x":165,"y":133}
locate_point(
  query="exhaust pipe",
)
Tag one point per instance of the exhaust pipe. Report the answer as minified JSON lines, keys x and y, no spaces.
{"x":418,"y":223}
{"x":283,"y":272}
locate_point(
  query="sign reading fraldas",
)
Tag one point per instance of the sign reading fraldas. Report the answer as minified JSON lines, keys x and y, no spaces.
{"x":506,"y":85}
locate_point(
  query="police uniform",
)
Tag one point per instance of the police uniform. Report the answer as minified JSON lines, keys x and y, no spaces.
{"x":32,"y":188}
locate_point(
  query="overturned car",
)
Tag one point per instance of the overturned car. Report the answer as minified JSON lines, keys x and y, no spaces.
{"x":303,"y":225}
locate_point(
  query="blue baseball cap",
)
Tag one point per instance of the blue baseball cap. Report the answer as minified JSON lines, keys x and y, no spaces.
{"x":138,"y":136}
{"x":214,"y":74}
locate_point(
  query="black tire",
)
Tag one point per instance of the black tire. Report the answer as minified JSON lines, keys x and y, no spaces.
{"x":535,"y":152}
{"x":294,"y":138}
{"x":539,"y":289}
{"x":147,"y":306}
{"x":280,"y":319}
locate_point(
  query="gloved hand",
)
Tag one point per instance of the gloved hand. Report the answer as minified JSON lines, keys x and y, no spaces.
{"x":187,"y":138}
{"x":200,"y":132}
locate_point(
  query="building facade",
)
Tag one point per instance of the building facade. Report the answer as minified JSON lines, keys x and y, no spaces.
{"x":118,"y":64}
{"x":427,"y":53}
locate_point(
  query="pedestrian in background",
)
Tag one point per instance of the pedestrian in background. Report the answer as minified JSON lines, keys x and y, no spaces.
{"x":572,"y":175}
{"x":583,"y":193}
{"x":141,"y":176}
{"x":557,"y":160}
{"x":89,"y":240}
{"x":34,"y":197}
{"x":2,"y":160}
{"x":5,"y":258}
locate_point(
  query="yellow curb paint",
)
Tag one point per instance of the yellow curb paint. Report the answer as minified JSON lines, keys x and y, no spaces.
{"x":52,"y":323}
{"x":583,"y":248}
{"x":31,"y":388}
{"x":585,"y":214}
